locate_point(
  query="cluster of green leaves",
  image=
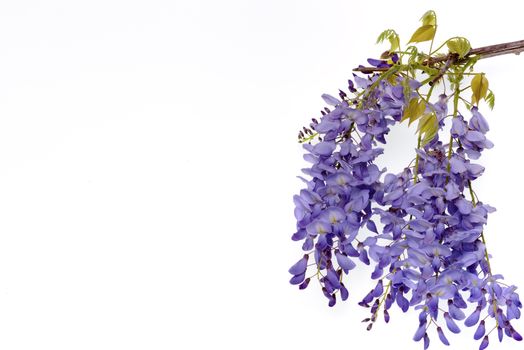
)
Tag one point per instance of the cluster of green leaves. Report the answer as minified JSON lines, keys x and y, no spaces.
{"x":451,"y":67}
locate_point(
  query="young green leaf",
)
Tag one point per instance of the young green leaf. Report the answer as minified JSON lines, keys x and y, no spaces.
{"x":394,"y":41}
{"x":479,"y":87}
{"x":428,"y":128}
{"x":429,"y":18}
{"x":490,"y":99}
{"x":392,"y":36}
{"x":414,"y":110}
{"x":424,"y":33}
{"x":460,"y":46}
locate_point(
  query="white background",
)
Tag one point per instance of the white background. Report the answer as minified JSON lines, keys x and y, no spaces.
{"x":148,"y":158}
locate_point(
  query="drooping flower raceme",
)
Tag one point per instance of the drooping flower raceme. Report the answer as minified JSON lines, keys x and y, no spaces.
{"x":422,"y":229}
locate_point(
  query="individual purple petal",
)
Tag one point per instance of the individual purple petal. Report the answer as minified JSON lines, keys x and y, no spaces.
{"x":500,"y":333}
{"x":324,"y":148}
{"x":455,"y":312}
{"x":297,"y":279}
{"x":330,"y":100}
{"x":464,"y":206}
{"x":473,"y":318}
{"x":363,"y":256}
{"x":318,"y":228}
{"x":402,"y":302}
{"x":452,"y":326}
{"x":333,"y":278}
{"x":475,"y":136}
{"x":345,"y":262}
{"x":334,"y":215}
{"x":458,"y":126}
{"x":375,"y":62}
{"x":371,"y":226}
{"x":442,"y":337}
{"x":475,"y":169}
{"x":457,"y":165}
{"x":327,"y":125}
{"x":478,"y":122}
{"x":300,"y":266}
{"x":481,"y":330}
{"x":379,"y":289}
{"x":421,"y":331}
{"x":361,"y":82}
{"x":484,"y":344}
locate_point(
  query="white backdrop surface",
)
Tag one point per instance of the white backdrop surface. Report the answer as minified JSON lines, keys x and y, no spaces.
{"x":148,"y":160}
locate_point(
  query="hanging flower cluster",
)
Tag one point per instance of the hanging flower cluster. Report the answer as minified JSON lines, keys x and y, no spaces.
{"x":422,"y":229}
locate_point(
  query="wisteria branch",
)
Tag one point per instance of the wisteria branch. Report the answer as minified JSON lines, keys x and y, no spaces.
{"x":513,"y":47}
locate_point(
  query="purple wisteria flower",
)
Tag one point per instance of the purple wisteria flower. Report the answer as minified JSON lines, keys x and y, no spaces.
{"x":421,"y":229}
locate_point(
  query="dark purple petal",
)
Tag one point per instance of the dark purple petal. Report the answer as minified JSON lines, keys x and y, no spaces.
{"x":515,"y":335}
{"x":484,"y":344}
{"x":304,"y":284}
{"x":426,"y":341}
{"x":371,"y":226}
{"x":344,"y":294}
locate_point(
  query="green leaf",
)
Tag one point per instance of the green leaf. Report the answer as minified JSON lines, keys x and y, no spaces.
{"x":428,"y":128}
{"x":424,"y":33}
{"x":490,"y":99}
{"x":479,"y":87}
{"x":460,"y":46}
{"x":392,"y":36}
{"x":394,"y":41}
{"x":414,"y":110}
{"x":429,"y":18}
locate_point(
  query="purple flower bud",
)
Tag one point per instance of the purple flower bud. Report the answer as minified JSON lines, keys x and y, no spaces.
{"x":442,"y":337}
{"x":473,"y":318}
{"x":426,"y":341}
{"x":402,"y":302}
{"x":500,"y":333}
{"x":515,"y":335}
{"x":455,"y":312}
{"x":363,"y":256}
{"x":389,"y":301}
{"x":481,"y":330}
{"x":344,"y":294}
{"x":484,"y":344}
{"x":452,"y":326}
{"x":386,"y":317}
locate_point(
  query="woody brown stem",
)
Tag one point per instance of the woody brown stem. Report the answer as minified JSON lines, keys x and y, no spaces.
{"x":514,"y":47}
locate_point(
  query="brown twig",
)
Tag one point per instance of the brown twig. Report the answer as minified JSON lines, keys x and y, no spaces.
{"x":514,"y":47}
